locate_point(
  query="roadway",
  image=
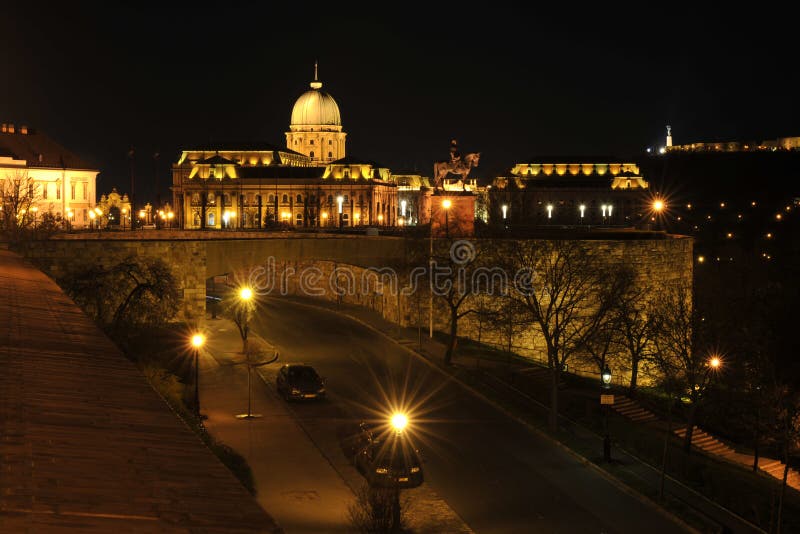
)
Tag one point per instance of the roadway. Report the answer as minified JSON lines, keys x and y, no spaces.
{"x":496,"y":474}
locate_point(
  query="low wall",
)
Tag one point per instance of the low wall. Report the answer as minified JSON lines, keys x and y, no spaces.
{"x":308,"y":265}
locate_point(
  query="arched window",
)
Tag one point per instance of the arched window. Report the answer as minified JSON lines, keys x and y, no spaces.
{"x":285,"y":199}
{"x":295,"y":141}
{"x":330,"y":154}
{"x":299,"y":219}
{"x":311,"y":154}
{"x":272,"y":198}
{"x":311,"y":142}
{"x":195,"y":198}
{"x":211,"y":219}
{"x":312,"y":199}
{"x":330,"y":142}
{"x":212,"y":199}
{"x":346,"y":201}
{"x":226,"y":200}
{"x":299,"y":199}
{"x":197,"y":219}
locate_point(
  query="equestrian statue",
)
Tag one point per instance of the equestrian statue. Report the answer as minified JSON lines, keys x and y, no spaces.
{"x":457,"y":165}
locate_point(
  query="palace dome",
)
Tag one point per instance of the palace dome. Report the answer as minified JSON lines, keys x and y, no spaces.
{"x":316,"y":108}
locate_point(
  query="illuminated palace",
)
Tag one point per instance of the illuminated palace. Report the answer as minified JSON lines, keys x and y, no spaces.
{"x":310,"y":183}
{"x":568,"y":191}
{"x":60,"y":182}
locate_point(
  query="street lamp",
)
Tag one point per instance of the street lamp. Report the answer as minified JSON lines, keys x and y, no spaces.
{"x":198,"y":340}
{"x":403,"y":205}
{"x":504,"y":208}
{"x":124,"y":215}
{"x":549,"y":211}
{"x":582,"y":207}
{"x":242,"y":320}
{"x":91,"y":218}
{"x":35,"y":210}
{"x":446,"y":204}
{"x":605,"y":384}
{"x":340,"y":201}
{"x":170,"y":216}
{"x":399,"y":422}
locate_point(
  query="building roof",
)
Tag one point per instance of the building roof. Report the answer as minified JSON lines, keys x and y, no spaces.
{"x":217,"y":160}
{"x":246,"y":146}
{"x":354,"y":160}
{"x":574,"y":159}
{"x":39,"y":150}
{"x":316,"y":108}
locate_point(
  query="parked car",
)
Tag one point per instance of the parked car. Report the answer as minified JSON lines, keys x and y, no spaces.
{"x":299,"y":381}
{"x":386,"y":459}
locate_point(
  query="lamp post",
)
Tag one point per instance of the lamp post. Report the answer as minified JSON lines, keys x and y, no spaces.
{"x":198,"y":340}
{"x":124,"y":215}
{"x":35,"y":210}
{"x":582,"y":207}
{"x":399,"y":422}
{"x":242,"y":320}
{"x":605,"y":384}
{"x":340,"y":201}
{"x":446,"y":204}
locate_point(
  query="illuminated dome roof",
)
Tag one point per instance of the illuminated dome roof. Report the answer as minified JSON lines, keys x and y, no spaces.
{"x":316,"y":107}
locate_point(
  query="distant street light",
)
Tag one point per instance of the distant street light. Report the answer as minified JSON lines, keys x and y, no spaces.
{"x":504,"y":208}
{"x":340,"y":202}
{"x":582,"y":207}
{"x":658,"y":205}
{"x":549,"y":211}
{"x":198,"y":340}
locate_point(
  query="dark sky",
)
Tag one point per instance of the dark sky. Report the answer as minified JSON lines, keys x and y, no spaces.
{"x":510,"y":81}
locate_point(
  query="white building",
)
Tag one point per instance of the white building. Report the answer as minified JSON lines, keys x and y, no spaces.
{"x":64,"y":185}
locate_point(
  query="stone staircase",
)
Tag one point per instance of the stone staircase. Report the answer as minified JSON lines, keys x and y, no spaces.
{"x":711,"y":445}
{"x":632,"y":410}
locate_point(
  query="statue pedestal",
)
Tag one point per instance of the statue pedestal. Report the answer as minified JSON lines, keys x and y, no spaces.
{"x":450,"y":213}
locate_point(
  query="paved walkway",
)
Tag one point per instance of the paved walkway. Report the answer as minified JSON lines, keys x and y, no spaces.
{"x":292,"y":478}
{"x":86,"y":445}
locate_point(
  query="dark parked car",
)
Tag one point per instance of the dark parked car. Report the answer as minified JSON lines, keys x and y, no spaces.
{"x":298,"y":381}
{"x":386,"y":458}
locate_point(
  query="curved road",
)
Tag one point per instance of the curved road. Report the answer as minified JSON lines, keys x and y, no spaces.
{"x":497,"y":475}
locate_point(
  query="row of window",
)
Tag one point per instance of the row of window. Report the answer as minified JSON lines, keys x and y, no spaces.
{"x":252,"y":198}
{"x":45,"y":191}
{"x":311,"y":141}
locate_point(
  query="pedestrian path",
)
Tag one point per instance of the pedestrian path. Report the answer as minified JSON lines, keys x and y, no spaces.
{"x":292,"y":478}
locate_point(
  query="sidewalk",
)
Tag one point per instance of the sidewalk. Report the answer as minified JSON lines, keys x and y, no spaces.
{"x":520,"y":407}
{"x":292,"y":478}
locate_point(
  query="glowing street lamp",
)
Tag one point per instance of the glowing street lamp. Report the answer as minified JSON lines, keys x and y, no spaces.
{"x":610,"y":209}
{"x":403,"y":205}
{"x":198,"y":340}
{"x":582,"y":207}
{"x":245,"y":294}
{"x":504,"y":208}
{"x":399,"y":422}
{"x":715,"y":362}
{"x":339,"y":202}
{"x":658,"y":205}
{"x":549,"y":211}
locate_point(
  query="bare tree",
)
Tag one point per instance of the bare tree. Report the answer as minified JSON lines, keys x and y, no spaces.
{"x":634,"y":324}
{"x":454,"y":284}
{"x":18,"y":194}
{"x":677,"y":334}
{"x":560,"y":287}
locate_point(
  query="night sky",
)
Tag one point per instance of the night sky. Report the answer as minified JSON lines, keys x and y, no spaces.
{"x":511,"y":82}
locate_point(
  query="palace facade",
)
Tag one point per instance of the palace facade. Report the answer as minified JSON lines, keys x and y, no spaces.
{"x":60,"y":183}
{"x":309,"y":183}
{"x":568,"y":191}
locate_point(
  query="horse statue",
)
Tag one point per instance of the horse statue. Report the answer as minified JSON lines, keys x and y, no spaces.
{"x":461,"y":167}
